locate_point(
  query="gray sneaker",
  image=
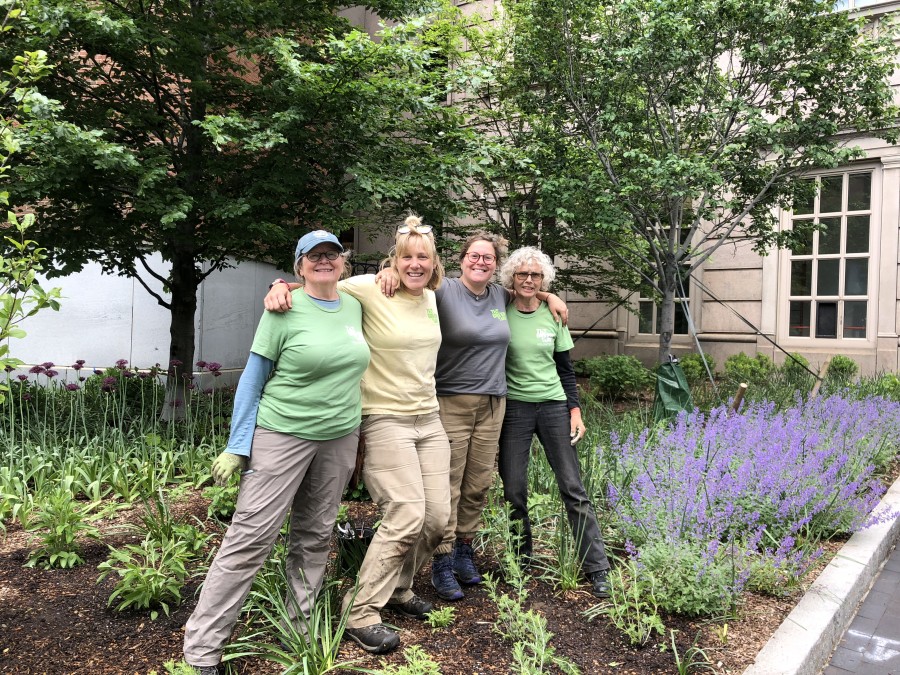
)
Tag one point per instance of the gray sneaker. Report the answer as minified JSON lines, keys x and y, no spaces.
{"x":206,"y":670}
{"x":377,"y":638}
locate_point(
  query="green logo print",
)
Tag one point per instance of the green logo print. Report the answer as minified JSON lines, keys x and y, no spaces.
{"x":497,"y":314}
{"x":432,"y":315}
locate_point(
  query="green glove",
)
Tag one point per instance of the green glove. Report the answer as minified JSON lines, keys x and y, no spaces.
{"x":226,"y":464}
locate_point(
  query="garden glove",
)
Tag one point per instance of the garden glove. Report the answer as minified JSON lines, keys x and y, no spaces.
{"x":225,"y":465}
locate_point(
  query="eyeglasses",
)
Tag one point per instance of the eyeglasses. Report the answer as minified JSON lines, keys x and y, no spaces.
{"x":420,"y":229}
{"x":475,"y":257}
{"x":316,"y":257}
{"x":522,"y":276}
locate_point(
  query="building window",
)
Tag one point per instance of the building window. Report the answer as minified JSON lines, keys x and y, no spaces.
{"x":854,"y":4}
{"x":829,"y":270}
{"x":649,"y":310}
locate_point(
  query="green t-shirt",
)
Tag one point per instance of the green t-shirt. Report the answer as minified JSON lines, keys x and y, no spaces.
{"x":320,"y":356}
{"x":530,"y":369}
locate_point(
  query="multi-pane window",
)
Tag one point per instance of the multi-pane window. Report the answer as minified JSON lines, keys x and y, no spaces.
{"x":829,"y":270}
{"x":854,"y":4}
{"x":649,"y":310}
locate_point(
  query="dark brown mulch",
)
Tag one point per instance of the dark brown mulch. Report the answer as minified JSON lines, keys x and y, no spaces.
{"x":57,"y":622}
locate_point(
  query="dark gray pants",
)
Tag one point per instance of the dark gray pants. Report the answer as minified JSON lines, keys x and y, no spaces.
{"x":550,"y":421}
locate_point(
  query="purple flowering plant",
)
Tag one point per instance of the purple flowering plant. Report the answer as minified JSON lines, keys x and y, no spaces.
{"x":766,"y":482}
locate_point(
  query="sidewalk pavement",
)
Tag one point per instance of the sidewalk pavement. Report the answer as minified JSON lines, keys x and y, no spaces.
{"x":830,"y":614}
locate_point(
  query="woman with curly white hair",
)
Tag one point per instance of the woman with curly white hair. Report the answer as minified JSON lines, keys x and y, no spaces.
{"x":542,"y":399}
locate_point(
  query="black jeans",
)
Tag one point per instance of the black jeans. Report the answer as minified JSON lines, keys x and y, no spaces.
{"x":550,"y":421}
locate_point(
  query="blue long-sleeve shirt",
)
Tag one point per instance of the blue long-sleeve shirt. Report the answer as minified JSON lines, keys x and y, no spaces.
{"x":246,"y":403}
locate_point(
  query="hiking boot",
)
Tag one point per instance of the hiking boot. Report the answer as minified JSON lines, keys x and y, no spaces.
{"x":206,"y":670}
{"x":442,"y":578}
{"x":414,"y":608}
{"x":464,"y":563}
{"x":377,"y":638}
{"x":599,"y":583}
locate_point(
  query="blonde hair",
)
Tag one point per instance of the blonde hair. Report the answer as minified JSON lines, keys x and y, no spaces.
{"x":499,"y":243}
{"x":523,"y":256}
{"x":405,"y":241}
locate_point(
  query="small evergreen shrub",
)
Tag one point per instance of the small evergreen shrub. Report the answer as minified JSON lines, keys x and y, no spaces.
{"x":752,"y":370}
{"x":619,"y":376}
{"x":795,"y":373}
{"x":841,"y":370}
{"x":693,"y":368}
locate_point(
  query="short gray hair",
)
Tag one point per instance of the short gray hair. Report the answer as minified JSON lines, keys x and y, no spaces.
{"x":523,"y":256}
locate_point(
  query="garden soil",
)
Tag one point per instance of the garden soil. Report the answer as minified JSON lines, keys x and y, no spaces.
{"x":57,"y":622}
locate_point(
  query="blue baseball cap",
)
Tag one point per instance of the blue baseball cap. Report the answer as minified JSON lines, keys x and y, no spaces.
{"x":312,"y":239}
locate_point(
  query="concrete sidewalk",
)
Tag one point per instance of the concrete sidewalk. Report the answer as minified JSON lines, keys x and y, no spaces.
{"x":804,"y":642}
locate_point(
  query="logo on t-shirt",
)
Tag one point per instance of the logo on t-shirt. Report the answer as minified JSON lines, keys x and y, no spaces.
{"x":497,"y":314}
{"x":545,"y":336}
{"x":356,"y":334}
{"x":432,"y":315}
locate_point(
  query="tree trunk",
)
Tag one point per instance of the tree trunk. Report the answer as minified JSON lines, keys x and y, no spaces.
{"x":666,"y":319}
{"x":182,"y":335}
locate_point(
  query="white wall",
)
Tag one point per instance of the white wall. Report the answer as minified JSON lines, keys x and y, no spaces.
{"x":103,"y":318}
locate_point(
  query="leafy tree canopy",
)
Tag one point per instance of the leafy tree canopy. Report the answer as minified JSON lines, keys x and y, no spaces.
{"x":697,"y":117}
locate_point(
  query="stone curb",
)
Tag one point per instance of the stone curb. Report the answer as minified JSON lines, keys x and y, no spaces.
{"x":803,"y":643}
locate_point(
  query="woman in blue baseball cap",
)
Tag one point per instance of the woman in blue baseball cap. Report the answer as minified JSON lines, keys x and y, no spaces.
{"x":293,"y":452}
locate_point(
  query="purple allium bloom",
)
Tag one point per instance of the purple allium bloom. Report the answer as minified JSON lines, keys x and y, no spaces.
{"x":80,"y":362}
{"x":121,"y":364}
{"x":72,"y":387}
{"x":97,"y":371}
{"x":201,"y":364}
{"x":22,"y":378}
{"x":36,"y":370}
{"x":191,"y":385}
{"x":109,"y":384}
{"x":127,"y":373}
{"x":213,"y":366}
{"x":76,"y":367}
{"x":175,"y":363}
{"x":47,"y":364}
{"x":51,"y":373}
{"x":9,"y":369}
{"x":143,"y":375}
{"x":82,"y":379}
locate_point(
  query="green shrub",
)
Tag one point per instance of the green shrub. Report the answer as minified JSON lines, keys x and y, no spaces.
{"x":686,"y":581}
{"x":752,"y":370}
{"x":794,"y":372}
{"x":887,"y":385}
{"x":841,"y":370}
{"x":61,"y":521}
{"x":693,"y":368}
{"x":619,"y":376}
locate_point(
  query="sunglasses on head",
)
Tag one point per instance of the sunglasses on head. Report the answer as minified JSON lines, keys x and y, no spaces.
{"x":419,"y":229}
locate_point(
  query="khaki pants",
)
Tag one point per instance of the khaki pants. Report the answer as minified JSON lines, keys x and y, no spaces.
{"x":285,"y":472}
{"x":472,"y":423}
{"x":406,"y":472}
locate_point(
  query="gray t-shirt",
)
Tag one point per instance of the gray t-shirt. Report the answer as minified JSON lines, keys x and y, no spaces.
{"x":472,"y":358}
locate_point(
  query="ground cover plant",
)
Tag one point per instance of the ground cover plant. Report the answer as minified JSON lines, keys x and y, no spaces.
{"x":711,"y":520}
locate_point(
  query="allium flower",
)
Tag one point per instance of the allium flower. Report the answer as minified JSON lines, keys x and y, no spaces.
{"x":47,"y":364}
{"x":82,"y":379}
{"x":76,"y":366}
{"x":201,"y":364}
{"x":175,"y":363}
{"x":80,"y":362}
{"x":121,"y":364}
{"x":213,"y":366}
{"x":9,"y":369}
{"x":72,"y":387}
{"x":127,"y":373}
{"x":97,"y":371}
{"x":51,"y":373}
{"x":143,"y":375}
{"x":109,"y":384}
{"x":36,"y":370}
{"x":22,"y":378}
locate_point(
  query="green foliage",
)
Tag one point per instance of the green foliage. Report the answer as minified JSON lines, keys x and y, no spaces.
{"x":618,"y":376}
{"x":684,"y":582}
{"x":694,"y":659}
{"x":150,"y":576}
{"x":693,"y":368}
{"x":159,"y":526}
{"x":681,"y":142}
{"x":222,"y":500}
{"x":770,"y":577}
{"x":795,"y":373}
{"x":441,"y":617}
{"x":61,"y":522}
{"x":754,"y":370}
{"x":632,"y":606}
{"x":418,"y":662}
{"x":841,"y":370}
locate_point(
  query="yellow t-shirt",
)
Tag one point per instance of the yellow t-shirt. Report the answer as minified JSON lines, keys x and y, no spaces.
{"x":404,"y":336}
